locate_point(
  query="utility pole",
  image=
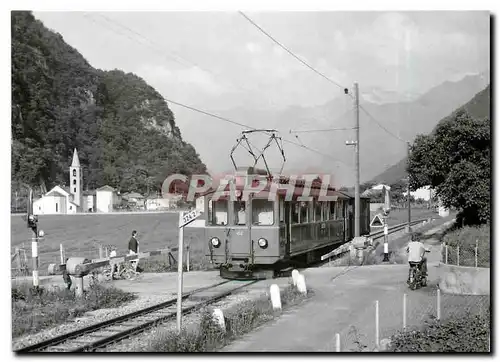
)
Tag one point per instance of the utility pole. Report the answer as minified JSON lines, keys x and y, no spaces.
{"x":409,"y":195}
{"x":356,"y":145}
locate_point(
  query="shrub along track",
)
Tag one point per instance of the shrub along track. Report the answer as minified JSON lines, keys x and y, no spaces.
{"x":96,"y":336}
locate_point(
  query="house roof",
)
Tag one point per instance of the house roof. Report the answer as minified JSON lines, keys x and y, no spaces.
{"x":54,"y":193}
{"x":106,"y":188}
{"x":134,"y":195}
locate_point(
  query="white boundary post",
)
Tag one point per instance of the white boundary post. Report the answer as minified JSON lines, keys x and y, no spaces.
{"x":274,"y":291}
{"x":404,"y":311}
{"x":438,"y":304}
{"x":377,"y":335}
{"x":179,"y":274}
{"x":337,"y":342}
{"x":295,"y":277}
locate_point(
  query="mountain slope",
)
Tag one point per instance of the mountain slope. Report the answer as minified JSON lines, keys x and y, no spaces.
{"x":478,"y":107}
{"x":378,"y":149}
{"x":124,"y":131}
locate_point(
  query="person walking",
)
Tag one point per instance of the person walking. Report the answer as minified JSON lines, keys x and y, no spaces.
{"x":133,"y":248}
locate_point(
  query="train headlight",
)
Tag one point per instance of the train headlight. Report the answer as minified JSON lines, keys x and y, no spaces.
{"x":215,"y":242}
{"x":262,"y":243}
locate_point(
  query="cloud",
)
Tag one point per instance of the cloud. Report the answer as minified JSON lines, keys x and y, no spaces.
{"x":193,"y":78}
{"x":253,"y":48}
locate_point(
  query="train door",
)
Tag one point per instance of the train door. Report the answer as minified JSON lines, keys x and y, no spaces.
{"x":239,"y":233}
{"x":288,"y":225}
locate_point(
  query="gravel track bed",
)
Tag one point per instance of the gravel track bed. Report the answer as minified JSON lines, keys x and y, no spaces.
{"x":89,"y":318}
{"x":140,"y":343}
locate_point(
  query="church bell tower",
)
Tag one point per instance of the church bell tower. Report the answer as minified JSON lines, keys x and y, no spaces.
{"x":75,"y":179}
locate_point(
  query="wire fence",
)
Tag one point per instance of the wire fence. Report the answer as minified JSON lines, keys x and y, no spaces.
{"x":395,"y":311}
{"x":472,"y":255}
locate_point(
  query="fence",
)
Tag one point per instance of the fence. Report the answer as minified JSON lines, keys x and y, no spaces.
{"x":371,"y":328}
{"x":471,"y":255}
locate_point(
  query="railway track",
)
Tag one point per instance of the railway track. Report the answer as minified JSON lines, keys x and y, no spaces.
{"x":100,"y":335}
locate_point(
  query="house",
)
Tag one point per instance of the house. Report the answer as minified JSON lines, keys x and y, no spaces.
{"x":135,"y":199}
{"x":425,"y":193}
{"x":56,"y":201}
{"x":61,"y":200}
{"x":89,"y":201}
{"x":106,"y":198}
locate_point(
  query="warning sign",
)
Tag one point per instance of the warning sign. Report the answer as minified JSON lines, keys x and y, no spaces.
{"x":377,"y":222}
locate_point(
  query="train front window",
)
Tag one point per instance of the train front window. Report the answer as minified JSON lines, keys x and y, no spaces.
{"x":240,"y":213}
{"x":262,"y":212}
{"x":218,"y":212}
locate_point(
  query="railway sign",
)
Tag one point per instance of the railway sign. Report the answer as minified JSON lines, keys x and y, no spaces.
{"x":377,"y":222}
{"x":189,"y":218}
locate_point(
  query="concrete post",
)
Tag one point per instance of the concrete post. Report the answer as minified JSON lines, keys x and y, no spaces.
{"x":61,"y":252}
{"x":79,"y":286}
{"x":337,"y":342}
{"x":101,"y":254}
{"x":274,"y":290}
{"x":295,"y":277}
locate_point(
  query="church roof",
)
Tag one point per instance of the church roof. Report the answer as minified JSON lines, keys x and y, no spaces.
{"x":76,"y":160}
{"x":106,"y":188}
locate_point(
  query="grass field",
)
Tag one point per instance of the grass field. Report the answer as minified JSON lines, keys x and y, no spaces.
{"x":401,"y":215}
{"x":81,"y":235}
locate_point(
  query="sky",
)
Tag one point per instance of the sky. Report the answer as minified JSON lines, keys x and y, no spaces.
{"x":219,"y":61}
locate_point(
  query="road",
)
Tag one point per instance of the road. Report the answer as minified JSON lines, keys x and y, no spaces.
{"x":344,"y":302}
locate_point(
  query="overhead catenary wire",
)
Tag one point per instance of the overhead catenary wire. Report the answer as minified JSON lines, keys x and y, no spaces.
{"x":205,"y":112}
{"x":291,"y":53}
{"x":381,"y":126}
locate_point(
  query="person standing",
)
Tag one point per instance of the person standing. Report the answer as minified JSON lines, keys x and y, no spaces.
{"x":133,"y":248}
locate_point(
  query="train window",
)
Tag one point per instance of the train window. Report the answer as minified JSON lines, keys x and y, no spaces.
{"x":318,"y":205}
{"x":262,"y":212}
{"x":282,"y":210}
{"x":325,"y":211}
{"x":340,"y":210}
{"x":240,"y":213}
{"x":295,"y":212}
{"x":333,"y":207}
{"x":218,"y":212}
{"x":304,"y":212}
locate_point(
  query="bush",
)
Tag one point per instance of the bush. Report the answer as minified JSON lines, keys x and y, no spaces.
{"x":208,"y":336}
{"x":466,"y":334}
{"x":37,"y":309}
{"x":466,"y":238}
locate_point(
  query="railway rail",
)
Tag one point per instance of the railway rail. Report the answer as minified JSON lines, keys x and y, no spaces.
{"x":100,"y":335}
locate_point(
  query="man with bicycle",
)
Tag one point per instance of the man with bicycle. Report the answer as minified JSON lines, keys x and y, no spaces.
{"x":416,"y":254}
{"x":133,"y":248}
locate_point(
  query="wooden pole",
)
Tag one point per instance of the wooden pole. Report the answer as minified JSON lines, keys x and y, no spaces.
{"x":18,"y":261}
{"x":377,"y":335}
{"x":101,"y":254}
{"x":404,"y":311}
{"x":458,"y":255}
{"x":475,"y":255}
{"x":179,"y":275}
{"x":446,"y":254}
{"x":188,"y":257}
{"x":438,"y":304}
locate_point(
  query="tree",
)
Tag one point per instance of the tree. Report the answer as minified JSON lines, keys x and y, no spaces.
{"x":455,"y":161}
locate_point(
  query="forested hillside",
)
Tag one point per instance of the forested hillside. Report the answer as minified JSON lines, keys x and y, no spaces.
{"x":477,"y":107}
{"x":125,"y":133}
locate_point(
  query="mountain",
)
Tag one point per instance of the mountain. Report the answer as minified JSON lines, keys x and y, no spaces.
{"x":124,"y":131}
{"x":478,"y":107}
{"x":378,"y":149}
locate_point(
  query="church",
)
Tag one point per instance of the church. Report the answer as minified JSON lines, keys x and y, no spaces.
{"x":67,"y":200}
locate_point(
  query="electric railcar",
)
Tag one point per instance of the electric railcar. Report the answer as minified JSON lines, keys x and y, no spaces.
{"x":256,"y":238}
